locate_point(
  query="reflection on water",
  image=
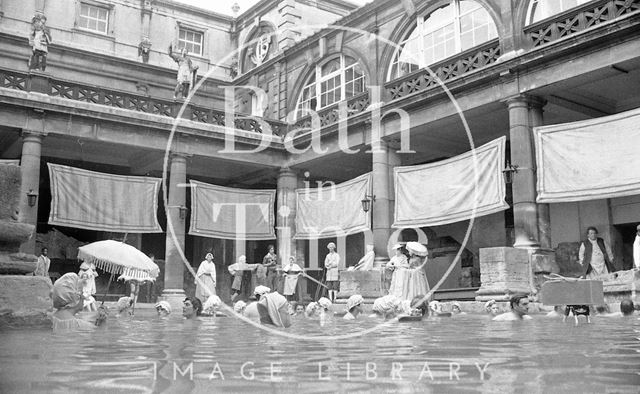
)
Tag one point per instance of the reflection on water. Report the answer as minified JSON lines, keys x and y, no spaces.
{"x":460,"y":354}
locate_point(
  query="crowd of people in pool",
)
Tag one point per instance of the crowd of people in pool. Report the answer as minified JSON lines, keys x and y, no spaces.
{"x":271,"y":308}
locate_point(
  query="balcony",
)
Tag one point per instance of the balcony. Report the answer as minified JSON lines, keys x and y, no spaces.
{"x":445,"y":70}
{"x":578,"y":19}
{"x":43,"y":83}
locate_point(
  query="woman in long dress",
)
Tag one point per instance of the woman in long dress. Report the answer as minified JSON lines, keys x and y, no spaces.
{"x":291,"y":273}
{"x":401,"y":274}
{"x":418,"y":283}
{"x":331,"y":263}
{"x":206,"y":278}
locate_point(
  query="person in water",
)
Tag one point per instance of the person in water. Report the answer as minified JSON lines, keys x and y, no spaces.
{"x":251,"y":309}
{"x":519,"y":304}
{"x":492,"y":308}
{"x":191,"y":308}
{"x":163,"y":308}
{"x":68,"y":301}
{"x":274,"y":310}
{"x":354,"y":307}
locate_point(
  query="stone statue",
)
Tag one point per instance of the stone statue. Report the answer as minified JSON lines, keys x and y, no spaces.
{"x":144,"y":48}
{"x":186,"y":72}
{"x":40,"y":38}
{"x":366,"y":262}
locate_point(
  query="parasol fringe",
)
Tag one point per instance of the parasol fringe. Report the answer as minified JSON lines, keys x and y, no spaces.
{"x":108,"y":266}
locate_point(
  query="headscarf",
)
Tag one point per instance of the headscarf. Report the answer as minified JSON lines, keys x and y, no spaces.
{"x":124,"y":303}
{"x":435,"y":306}
{"x":324,"y":303}
{"x":331,"y":244}
{"x":211,"y":304}
{"x":85,"y":266}
{"x":261,"y":290}
{"x":239,"y":306}
{"x":489,"y":304}
{"x":66,"y":291}
{"x":275,"y":304}
{"x":354,"y":301}
{"x":310,"y":309}
{"x":386,"y":304}
{"x":207,"y":256}
{"x":164,"y":305}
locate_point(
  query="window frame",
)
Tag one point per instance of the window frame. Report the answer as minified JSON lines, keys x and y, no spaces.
{"x":423,"y":30}
{"x":202,"y":30}
{"x":188,"y":30}
{"x":108,"y":7}
{"x":315,"y":80}
{"x":533,"y":3}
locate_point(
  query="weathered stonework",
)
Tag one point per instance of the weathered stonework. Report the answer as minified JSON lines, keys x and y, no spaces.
{"x":504,"y":271}
{"x":24,"y":300}
{"x":366,"y":283}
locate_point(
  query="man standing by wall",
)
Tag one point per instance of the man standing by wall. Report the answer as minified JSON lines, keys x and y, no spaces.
{"x":595,"y":254}
{"x":42,"y":269}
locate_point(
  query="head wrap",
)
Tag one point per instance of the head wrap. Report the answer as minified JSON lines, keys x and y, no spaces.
{"x":66,"y":292}
{"x":324,"y":302}
{"x":310,"y":309}
{"x":456,"y":304}
{"x":207,"y":256}
{"x":261,"y":290}
{"x":488,"y":304}
{"x":275,"y":304}
{"x":85,"y":266}
{"x":331,"y":245}
{"x":386,"y":304}
{"x":211,"y":304}
{"x":435,"y":306}
{"x":164,"y":305}
{"x":354,"y":300}
{"x":124,"y":303}
{"x":239,"y":306}
{"x":396,"y":246}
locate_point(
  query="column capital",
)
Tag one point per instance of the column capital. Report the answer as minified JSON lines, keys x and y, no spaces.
{"x":179,"y":156}
{"x":33,"y":135}
{"x":287,"y":171}
{"x":525,"y":100}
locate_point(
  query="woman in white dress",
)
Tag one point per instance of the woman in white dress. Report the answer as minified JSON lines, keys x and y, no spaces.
{"x":401,"y":274}
{"x":206,"y":278}
{"x":418,"y":283}
{"x":291,"y":273}
{"x":331,"y":263}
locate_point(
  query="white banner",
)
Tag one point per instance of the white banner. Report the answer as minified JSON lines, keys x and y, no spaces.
{"x":229,"y":213}
{"x":589,"y":160}
{"x":452,"y":190}
{"x":97,"y":201}
{"x":332,"y":211}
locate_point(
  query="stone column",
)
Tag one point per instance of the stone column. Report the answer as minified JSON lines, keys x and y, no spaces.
{"x":286,"y":215}
{"x":382,"y":207}
{"x":173,"y":264}
{"x":525,"y":211}
{"x":30,"y":171}
{"x":536,"y":106}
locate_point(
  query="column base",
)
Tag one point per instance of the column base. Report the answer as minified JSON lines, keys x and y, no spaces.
{"x":504,"y":271}
{"x":175,"y":298}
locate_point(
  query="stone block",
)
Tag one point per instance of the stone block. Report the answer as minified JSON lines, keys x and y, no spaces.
{"x":503,"y":271}
{"x":14,"y":233}
{"x":366,"y":283}
{"x":25,"y":300}
{"x":10,"y":181}
{"x":17,"y":263}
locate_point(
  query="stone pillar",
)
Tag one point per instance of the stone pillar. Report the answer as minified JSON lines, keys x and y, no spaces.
{"x":525,"y":211}
{"x":286,"y":215}
{"x":173,"y":264}
{"x":290,"y":17}
{"x":544,"y":220}
{"x":30,"y":171}
{"x":382,"y":208}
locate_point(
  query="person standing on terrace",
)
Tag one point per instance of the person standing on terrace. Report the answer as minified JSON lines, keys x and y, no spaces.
{"x":186,"y":72}
{"x":331,"y":263}
{"x":595,"y":254}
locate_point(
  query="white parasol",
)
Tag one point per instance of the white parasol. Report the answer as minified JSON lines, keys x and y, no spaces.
{"x":119,"y":258}
{"x":417,"y":248}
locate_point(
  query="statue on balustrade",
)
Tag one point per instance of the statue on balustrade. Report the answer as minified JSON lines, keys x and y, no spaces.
{"x":186,"y":71}
{"x":144,"y":49}
{"x":40,"y":38}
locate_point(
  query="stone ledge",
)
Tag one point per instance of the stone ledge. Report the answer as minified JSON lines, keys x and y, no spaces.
{"x":25,"y":300}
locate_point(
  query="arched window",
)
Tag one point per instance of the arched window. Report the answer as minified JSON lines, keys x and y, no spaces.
{"x":542,"y":9}
{"x":338,"y":79}
{"x":443,"y":33}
